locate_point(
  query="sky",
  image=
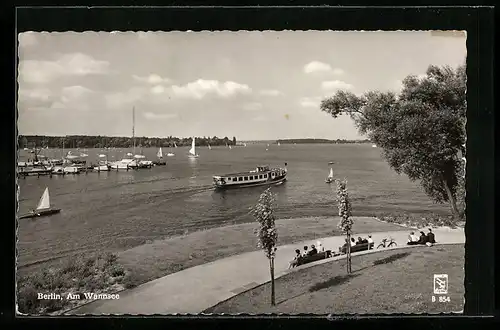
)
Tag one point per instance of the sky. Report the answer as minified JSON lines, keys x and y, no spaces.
{"x":252,"y":85}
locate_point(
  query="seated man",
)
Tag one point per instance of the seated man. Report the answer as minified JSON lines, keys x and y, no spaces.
{"x":423,"y":239}
{"x":360,"y":241}
{"x":305,"y":252}
{"x":313,"y":251}
{"x":412,"y":239}
{"x":430,"y":237}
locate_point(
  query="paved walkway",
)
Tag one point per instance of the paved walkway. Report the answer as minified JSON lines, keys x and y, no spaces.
{"x":198,"y":288}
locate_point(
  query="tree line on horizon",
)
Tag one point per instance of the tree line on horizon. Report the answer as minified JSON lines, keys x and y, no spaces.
{"x":305,"y":141}
{"x":89,"y":141}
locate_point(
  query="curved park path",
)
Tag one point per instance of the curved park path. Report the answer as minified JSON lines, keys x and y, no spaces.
{"x":195,"y":289}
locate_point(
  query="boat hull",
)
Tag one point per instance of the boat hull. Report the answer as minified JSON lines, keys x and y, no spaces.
{"x":251,"y":184}
{"x":38,"y":214}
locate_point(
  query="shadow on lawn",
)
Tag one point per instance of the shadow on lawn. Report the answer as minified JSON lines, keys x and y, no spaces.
{"x":337,"y":280}
{"x":390,"y":259}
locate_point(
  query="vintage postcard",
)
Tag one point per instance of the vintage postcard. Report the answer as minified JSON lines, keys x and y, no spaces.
{"x":254,"y":172}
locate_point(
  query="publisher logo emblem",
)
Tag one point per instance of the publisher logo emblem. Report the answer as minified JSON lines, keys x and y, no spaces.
{"x":440,"y":283}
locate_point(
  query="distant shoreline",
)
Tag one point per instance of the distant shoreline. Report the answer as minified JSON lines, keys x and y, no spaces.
{"x":98,"y":141}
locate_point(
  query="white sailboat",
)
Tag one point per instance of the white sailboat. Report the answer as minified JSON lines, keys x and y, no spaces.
{"x":192,"y":151}
{"x":230,"y":147}
{"x":279,"y":144}
{"x":244,"y":144}
{"x":329,"y":179}
{"x":209,"y":147}
{"x":160,"y":161}
{"x":374,"y":145}
{"x":43,"y":207}
{"x":175,"y":145}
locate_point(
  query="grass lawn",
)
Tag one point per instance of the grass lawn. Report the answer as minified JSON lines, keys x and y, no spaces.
{"x":397,"y":281}
{"x":163,"y":257}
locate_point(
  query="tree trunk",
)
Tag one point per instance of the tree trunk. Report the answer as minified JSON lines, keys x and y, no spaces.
{"x":453,"y":202}
{"x":271,"y":267}
{"x":348,"y":256}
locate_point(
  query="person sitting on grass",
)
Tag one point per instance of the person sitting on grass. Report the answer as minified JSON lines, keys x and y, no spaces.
{"x":412,"y":239}
{"x":295,"y":260}
{"x":431,"y":239}
{"x":423,"y":239}
{"x":313,"y":251}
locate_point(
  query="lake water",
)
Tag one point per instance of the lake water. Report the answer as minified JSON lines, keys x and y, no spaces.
{"x":118,"y":210}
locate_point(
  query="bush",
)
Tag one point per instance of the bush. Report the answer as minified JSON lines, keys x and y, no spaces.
{"x":417,"y":220}
{"x":131,"y":281}
{"x":117,"y":270}
{"x":110,"y":258}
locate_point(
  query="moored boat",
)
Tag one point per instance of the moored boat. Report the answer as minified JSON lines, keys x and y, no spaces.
{"x":262,"y":175}
{"x":43,"y":208}
{"x":329,"y":178}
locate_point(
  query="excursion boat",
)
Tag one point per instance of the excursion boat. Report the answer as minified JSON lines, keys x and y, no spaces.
{"x":262,"y":175}
{"x":43,"y":208}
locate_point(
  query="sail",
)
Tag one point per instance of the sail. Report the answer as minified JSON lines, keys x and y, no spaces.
{"x":230,"y":147}
{"x":330,"y":176}
{"x":159,"y":154}
{"x":175,"y":145}
{"x":279,"y":144}
{"x":192,"y":151}
{"x":209,"y":147}
{"x":44,"y":202}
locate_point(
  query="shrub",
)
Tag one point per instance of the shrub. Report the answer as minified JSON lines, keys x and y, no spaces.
{"x":110,"y":258}
{"x":117,"y":270}
{"x":131,"y":281}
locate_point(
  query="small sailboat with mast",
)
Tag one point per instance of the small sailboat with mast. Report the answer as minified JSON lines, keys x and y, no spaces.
{"x":192,"y":152}
{"x":43,"y":208}
{"x":159,"y":155}
{"x":128,"y":162}
{"x":329,"y":178}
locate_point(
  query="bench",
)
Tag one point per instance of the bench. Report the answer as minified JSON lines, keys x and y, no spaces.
{"x":357,"y":248}
{"x":314,"y":257}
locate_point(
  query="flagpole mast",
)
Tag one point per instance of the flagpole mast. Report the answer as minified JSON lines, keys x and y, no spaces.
{"x":133,"y":127}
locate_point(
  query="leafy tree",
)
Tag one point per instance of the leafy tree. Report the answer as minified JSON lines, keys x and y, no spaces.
{"x":421,"y":130}
{"x":267,"y":235}
{"x":345,"y":224}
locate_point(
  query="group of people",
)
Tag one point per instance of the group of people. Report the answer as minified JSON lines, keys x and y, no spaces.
{"x":360,"y":240}
{"x":424,"y":239}
{"x":306,"y":252}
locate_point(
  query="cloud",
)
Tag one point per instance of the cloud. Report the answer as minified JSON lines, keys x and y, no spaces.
{"x":318,"y":67}
{"x":152,"y":79}
{"x":310,"y":102}
{"x":201,"y":88}
{"x":335,"y":84}
{"x":76,"y":64}
{"x":153,"y":116}
{"x":27,"y":39}
{"x":252,"y":106}
{"x":122,"y":99}
{"x":270,"y":92}
{"x":71,"y":97}
{"x":158,"y":89}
